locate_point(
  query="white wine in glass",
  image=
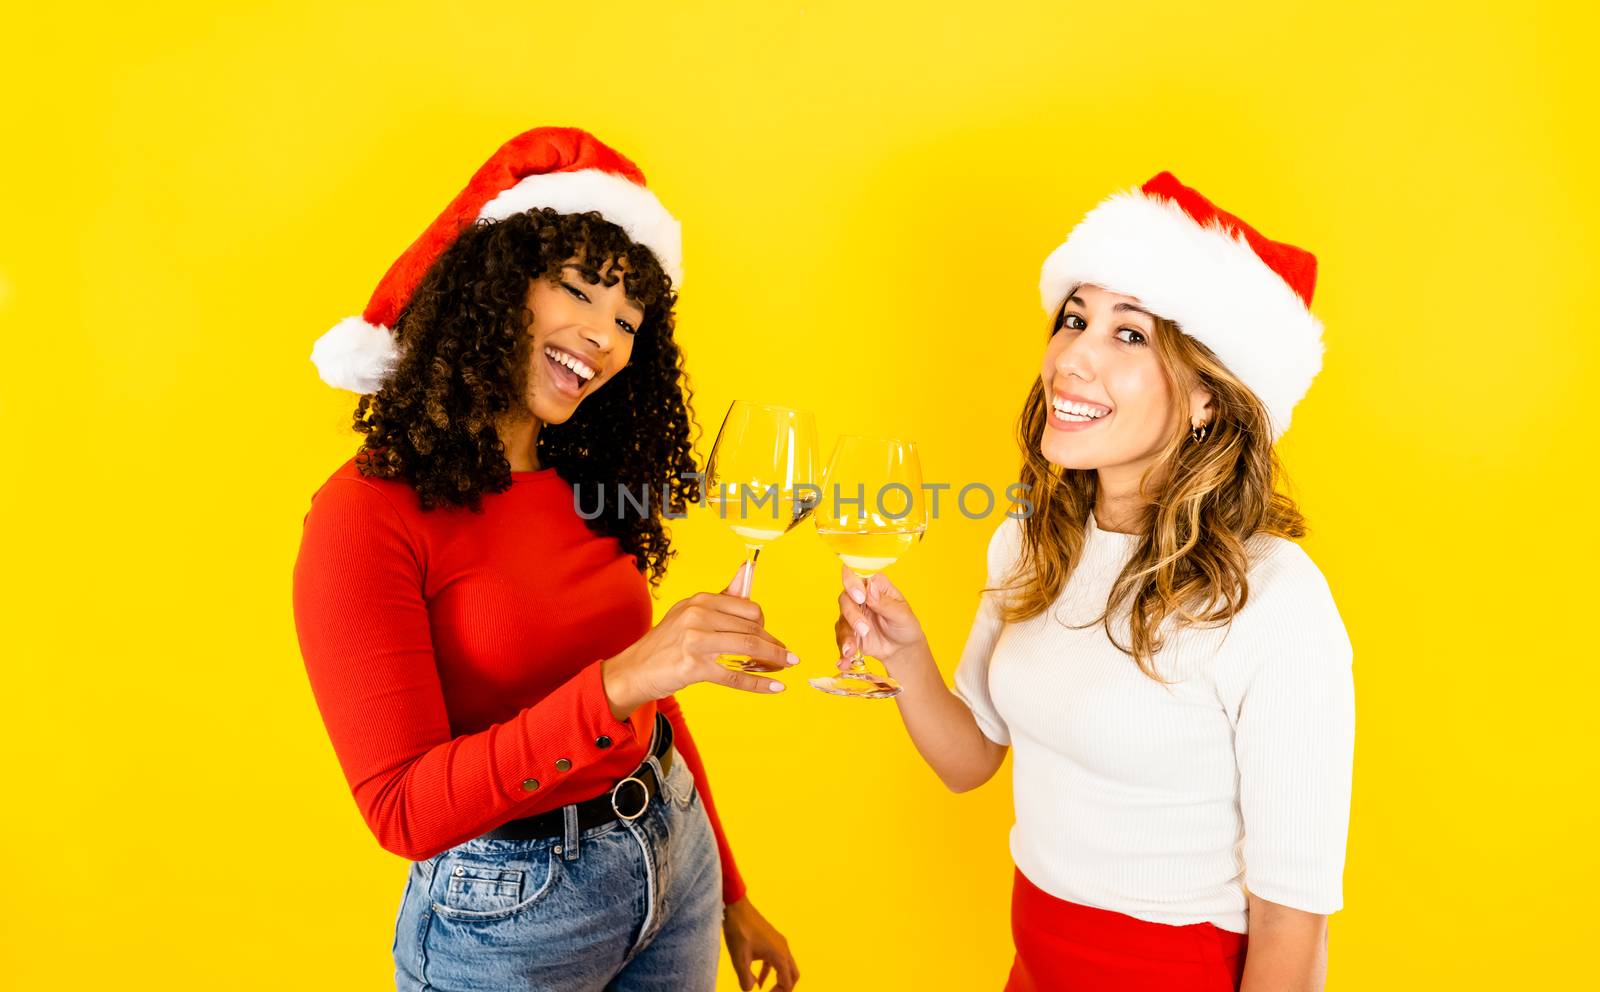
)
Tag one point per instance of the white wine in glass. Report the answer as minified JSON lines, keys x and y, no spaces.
{"x":872,"y":510}
{"x":761,"y":482}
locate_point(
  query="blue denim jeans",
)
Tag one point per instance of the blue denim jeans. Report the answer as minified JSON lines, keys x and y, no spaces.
{"x":622,"y":907}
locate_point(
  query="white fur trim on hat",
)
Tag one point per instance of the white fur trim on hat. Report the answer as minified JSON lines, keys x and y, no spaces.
{"x":1207,"y":280}
{"x":624,"y":203}
{"x":354,"y":355}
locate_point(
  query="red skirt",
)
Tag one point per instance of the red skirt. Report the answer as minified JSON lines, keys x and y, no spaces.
{"x":1064,"y":946}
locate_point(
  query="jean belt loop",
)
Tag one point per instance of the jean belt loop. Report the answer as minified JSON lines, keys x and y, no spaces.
{"x":569,"y":839}
{"x":661,"y":777}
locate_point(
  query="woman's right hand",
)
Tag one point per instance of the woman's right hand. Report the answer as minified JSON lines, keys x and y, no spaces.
{"x":874,"y":615}
{"x":683,"y":648}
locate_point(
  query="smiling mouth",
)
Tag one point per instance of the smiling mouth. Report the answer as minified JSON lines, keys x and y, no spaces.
{"x":569,"y":370}
{"x":1079,"y":413}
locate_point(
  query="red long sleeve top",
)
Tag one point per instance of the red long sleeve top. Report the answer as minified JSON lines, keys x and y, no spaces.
{"x":455,"y":657}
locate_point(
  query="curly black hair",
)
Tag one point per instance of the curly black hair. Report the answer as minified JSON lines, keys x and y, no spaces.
{"x":463,"y":363}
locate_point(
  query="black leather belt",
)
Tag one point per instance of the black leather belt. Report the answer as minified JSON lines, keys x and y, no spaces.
{"x":627,"y":800}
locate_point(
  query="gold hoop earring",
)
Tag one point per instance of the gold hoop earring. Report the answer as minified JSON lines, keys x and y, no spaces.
{"x":1199,"y":433}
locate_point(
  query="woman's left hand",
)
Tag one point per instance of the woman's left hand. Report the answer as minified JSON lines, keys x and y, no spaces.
{"x":750,"y":939}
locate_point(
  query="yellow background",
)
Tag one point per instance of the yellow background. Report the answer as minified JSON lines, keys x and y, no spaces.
{"x":194,"y":193}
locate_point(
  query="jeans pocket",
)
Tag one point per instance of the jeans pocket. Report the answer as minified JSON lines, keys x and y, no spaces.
{"x":476,"y":889}
{"x":680,"y":782}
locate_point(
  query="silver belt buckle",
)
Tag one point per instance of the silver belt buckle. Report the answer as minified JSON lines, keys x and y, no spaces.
{"x":643,"y":805}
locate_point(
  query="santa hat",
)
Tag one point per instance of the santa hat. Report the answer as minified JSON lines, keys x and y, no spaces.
{"x":1248,"y":298}
{"x":563,"y":168}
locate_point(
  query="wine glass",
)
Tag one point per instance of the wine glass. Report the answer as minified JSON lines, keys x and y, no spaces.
{"x":761,"y":481}
{"x":871,"y":512}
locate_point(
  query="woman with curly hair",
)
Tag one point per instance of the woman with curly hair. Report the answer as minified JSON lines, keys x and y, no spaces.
{"x":483,"y":656}
{"x":1166,"y":661}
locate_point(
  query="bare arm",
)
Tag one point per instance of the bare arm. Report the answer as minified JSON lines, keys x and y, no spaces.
{"x":940,"y":724}
{"x":1288,"y":949}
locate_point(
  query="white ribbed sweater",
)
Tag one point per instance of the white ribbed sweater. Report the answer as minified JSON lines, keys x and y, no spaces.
{"x":1165,"y":803}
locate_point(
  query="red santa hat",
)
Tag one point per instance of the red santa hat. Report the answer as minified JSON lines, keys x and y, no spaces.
{"x":1248,"y":298}
{"x":563,"y":168}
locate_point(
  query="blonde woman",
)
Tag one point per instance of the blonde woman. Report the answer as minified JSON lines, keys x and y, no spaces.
{"x":1166,"y":662}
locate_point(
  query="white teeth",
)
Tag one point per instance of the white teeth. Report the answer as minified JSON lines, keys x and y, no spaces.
{"x":583,"y":371}
{"x":1078,"y":411}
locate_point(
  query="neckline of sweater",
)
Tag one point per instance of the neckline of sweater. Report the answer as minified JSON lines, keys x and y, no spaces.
{"x":1109,"y":546}
{"x":1110,"y":535}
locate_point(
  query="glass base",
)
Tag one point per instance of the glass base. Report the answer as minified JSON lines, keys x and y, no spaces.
{"x":861,"y":685}
{"x":743,"y":663}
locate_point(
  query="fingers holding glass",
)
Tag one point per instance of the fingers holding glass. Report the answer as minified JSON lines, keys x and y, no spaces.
{"x":871,"y":512}
{"x":762,"y":465}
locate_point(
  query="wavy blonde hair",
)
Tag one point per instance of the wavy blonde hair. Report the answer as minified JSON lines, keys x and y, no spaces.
{"x":1202,"y":501}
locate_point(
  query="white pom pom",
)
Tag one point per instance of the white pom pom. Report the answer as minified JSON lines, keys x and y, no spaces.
{"x":354,"y":355}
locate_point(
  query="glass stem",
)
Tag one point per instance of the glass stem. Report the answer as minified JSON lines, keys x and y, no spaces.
{"x":750,"y":569}
{"x":858,"y":664}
